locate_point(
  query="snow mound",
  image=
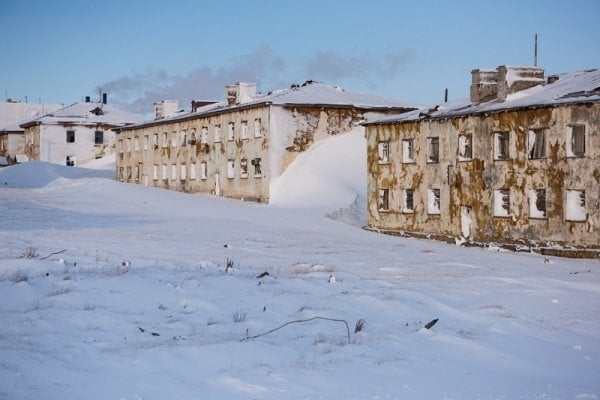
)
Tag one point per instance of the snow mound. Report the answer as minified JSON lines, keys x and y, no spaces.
{"x":331,"y":174}
{"x":105,"y":163}
{"x":355,"y":214}
{"x":36,"y":174}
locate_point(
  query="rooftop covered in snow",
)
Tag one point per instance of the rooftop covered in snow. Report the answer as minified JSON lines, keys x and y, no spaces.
{"x":568,"y":88}
{"x":308,"y":94}
{"x":13,"y":113}
{"x":86,"y":113}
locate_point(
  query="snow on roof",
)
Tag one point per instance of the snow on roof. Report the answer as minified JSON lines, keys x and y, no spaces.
{"x":84,"y":113}
{"x":14,"y":113}
{"x":570,"y":88}
{"x":308,"y":94}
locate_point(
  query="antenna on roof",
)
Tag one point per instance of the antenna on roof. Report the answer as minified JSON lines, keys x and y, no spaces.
{"x":535,"y":52}
{"x":446,"y":95}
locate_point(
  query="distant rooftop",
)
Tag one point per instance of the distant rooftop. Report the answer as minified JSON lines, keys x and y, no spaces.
{"x":13,"y":113}
{"x":87,"y":113}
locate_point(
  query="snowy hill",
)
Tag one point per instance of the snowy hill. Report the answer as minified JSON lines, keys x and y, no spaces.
{"x":139,"y":303}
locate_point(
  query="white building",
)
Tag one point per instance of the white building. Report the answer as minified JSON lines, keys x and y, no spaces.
{"x":12,"y":138}
{"x":75,"y":134}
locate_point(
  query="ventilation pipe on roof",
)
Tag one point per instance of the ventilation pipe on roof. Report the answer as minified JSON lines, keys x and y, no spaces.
{"x":87,"y":99}
{"x":104,"y":98}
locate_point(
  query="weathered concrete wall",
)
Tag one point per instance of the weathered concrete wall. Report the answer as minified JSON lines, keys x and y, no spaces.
{"x":186,"y":159}
{"x":471,"y":183}
{"x":285,"y":132}
{"x":298,"y":128}
{"x":48,"y":143}
{"x":11,"y":144}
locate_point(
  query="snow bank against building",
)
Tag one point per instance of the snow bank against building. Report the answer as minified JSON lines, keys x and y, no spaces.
{"x":104,"y":163}
{"x":36,"y":174}
{"x":332,"y":174}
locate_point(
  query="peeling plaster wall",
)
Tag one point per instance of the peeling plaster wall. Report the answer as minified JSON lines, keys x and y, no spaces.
{"x":472,"y":183}
{"x":12,"y":143}
{"x":297,"y":128}
{"x":190,"y":155}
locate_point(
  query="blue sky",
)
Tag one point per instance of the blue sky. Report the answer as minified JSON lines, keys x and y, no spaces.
{"x":144,"y":51}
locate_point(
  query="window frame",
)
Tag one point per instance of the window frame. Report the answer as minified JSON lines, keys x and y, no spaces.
{"x":434,"y":195}
{"x":98,"y":134}
{"x":582,"y":198}
{"x":534,"y":200}
{"x":465,"y":147}
{"x":383,"y":200}
{"x":70,"y":136}
{"x":433,"y":150}
{"x":506,"y":200}
{"x":498,"y":154}
{"x":383,"y":152}
{"x":537,"y":148}
{"x":408,"y":151}
{"x":570,"y":141}
{"x":405,"y":196}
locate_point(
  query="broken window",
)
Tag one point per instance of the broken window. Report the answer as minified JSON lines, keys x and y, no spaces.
{"x":383,"y":149}
{"x":136,"y":171}
{"x":244,"y":130}
{"x":536,"y":140}
{"x":433,"y":149}
{"x":230,"y":169}
{"x":70,"y":136}
{"x":502,"y":203}
{"x":575,"y":205}
{"x":465,"y":147}
{"x":155,"y":141}
{"x":203,"y":171}
{"x":164,"y":172}
{"x":433,"y":201}
{"x":70,"y":161}
{"x":165,"y":139}
{"x":257,"y":128}
{"x":257,"y":167}
{"x":183,"y":135}
{"x":183,"y":172}
{"x":146,"y":142}
{"x":173,"y":172}
{"x":155,"y":172}
{"x":99,"y":137}
{"x":230,"y":131}
{"x":128,"y":145}
{"x":384,"y":200}
{"x":408,"y":206}
{"x":193,"y":136}
{"x":120,"y":146}
{"x":575,"y":141}
{"x":537,"y":203}
{"x":243,"y":168}
{"x":408,"y":151}
{"x":204,"y":135}
{"x":136,"y":143}
{"x":501,"y":146}
{"x":174,"y":139}
{"x":217,"y":133}
{"x":193,"y":171}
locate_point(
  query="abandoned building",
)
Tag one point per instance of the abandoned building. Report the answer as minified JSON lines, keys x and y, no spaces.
{"x":517,"y":164}
{"x":12,"y":137}
{"x":76,"y":134}
{"x":237,"y":147}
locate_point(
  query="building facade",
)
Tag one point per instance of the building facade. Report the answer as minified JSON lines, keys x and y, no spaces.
{"x":237,"y":147}
{"x":518,"y":164}
{"x":12,"y":138}
{"x":75,"y":135}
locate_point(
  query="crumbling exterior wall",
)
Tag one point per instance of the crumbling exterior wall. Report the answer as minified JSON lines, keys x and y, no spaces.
{"x":298,"y":128}
{"x":11,"y":144}
{"x":183,"y":162}
{"x":48,"y":143}
{"x":469,"y":187}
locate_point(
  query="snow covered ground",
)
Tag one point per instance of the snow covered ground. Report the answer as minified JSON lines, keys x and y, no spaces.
{"x":141,"y":304}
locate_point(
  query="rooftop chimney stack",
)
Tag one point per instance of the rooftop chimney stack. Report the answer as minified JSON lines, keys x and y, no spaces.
{"x":165,"y":108}
{"x":104,"y":98}
{"x":497,"y":84}
{"x":87,"y":99}
{"x":241,"y":92}
{"x":484,"y":85}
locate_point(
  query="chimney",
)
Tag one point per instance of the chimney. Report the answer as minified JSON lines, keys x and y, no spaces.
{"x":515,"y":79}
{"x":104,"y":98}
{"x":241,"y":92}
{"x":196,"y":104}
{"x":165,"y":108}
{"x":87,"y":99}
{"x":484,"y":85}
